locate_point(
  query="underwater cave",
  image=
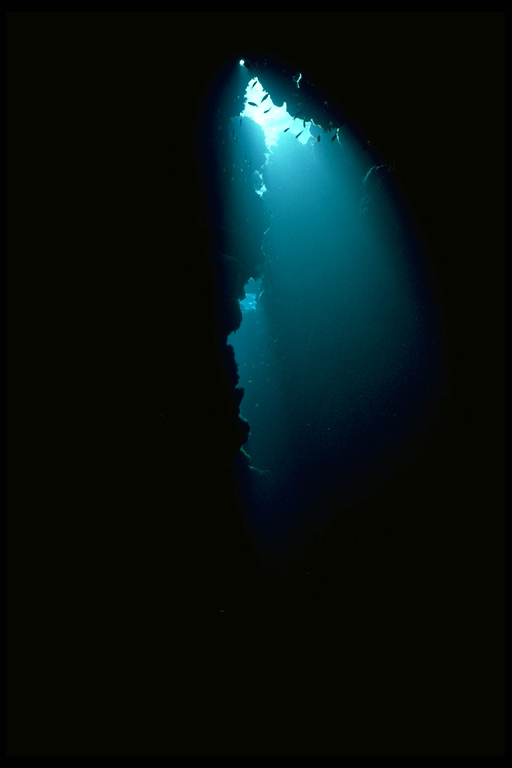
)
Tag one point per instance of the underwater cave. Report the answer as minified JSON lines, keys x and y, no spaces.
{"x":256,"y":384}
{"x":336,"y":349}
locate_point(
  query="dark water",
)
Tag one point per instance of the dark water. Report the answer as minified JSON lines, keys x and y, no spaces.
{"x":372,"y":365}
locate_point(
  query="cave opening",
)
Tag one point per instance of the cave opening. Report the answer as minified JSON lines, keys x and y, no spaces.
{"x":274,"y":120}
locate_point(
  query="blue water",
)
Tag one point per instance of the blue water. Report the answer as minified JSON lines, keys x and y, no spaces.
{"x":338,"y":348}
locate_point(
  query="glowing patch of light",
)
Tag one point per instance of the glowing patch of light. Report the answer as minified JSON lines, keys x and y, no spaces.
{"x":249,"y":303}
{"x":252,"y":291}
{"x":262,"y":189}
{"x":274,"y":120}
{"x":242,"y":62}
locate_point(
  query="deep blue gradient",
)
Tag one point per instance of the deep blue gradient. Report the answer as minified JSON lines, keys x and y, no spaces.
{"x":339,"y":358}
{"x":341,"y":592}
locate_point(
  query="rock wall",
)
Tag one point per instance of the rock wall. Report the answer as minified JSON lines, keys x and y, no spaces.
{"x":126,"y":548}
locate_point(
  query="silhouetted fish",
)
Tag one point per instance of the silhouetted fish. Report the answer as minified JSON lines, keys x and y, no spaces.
{"x":297,"y":136}
{"x":286,"y":129}
{"x":267,"y":110}
{"x":252,"y":103}
{"x":318,"y":137}
{"x":263,"y":99}
{"x":334,"y":137}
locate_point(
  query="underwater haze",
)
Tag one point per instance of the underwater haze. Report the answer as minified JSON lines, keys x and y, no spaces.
{"x":338,"y":349}
{"x":257,"y":384}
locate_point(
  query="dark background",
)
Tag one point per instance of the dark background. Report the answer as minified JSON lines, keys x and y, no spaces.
{"x":123,"y":526}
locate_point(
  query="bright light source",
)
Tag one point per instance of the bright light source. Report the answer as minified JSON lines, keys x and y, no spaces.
{"x":242,"y":62}
{"x":275,"y":121}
